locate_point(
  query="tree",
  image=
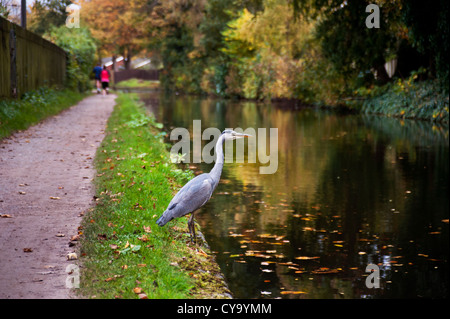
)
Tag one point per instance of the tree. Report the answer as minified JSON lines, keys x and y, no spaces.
{"x":174,"y":34}
{"x":118,"y":25}
{"x":46,"y":14}
{"x":80,"y":48}
{"x":420,"y":27}
{"x":428,"y":32}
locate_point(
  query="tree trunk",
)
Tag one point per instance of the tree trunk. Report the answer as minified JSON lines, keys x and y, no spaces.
{"x":128,"y":61}
{"x":382,"y":75}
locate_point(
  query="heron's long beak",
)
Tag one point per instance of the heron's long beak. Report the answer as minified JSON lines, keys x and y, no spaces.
{"x":239,"y":135}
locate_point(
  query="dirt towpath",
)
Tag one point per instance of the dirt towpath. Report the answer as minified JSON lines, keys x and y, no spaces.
{"x":46,"y":177}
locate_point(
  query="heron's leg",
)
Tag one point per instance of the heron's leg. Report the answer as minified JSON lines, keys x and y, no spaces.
{"x":191,"y":227}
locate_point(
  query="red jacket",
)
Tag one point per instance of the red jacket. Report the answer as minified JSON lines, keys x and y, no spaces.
{"x":104,"y":76}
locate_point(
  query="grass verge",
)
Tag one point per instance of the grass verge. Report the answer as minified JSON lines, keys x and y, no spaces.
{"x":33,"y":107}
{"x":124,"y":254}
{"x":137,"y":83}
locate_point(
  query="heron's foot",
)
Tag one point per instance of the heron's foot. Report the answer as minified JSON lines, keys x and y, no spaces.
{"x":193,"y":238}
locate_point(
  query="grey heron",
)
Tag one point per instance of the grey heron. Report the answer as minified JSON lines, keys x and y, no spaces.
{"x":198,"y":191}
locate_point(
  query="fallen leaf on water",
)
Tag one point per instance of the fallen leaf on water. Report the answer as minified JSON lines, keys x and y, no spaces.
{"x":267,"y":236}
{"x":307,"y":257}
{"x":266,"y":270}
{"x":324,"y":271}
{"x":289,"y":292}
{"x":235,"y":235}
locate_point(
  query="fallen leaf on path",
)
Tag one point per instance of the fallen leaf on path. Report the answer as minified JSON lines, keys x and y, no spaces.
{"x":5,"y":216}
{"x":54,"y":197}
{"x":22,"y":193}
{"x":28,"y":250}
{"x":60,"y":235}
{"x":72,"y":256}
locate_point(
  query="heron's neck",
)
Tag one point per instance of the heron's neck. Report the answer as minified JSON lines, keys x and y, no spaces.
{"x":217,"y":169}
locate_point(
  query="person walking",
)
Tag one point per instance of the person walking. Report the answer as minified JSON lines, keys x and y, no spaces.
{"x":104,"y":77}
{"x":97,"y":71}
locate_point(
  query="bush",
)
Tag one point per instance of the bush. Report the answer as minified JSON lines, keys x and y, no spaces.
{"x":80,"y":48}
{"x":407,"y":99}
{"x":33,"y":107}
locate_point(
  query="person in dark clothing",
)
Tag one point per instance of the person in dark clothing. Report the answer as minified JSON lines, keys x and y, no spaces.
{"x":97,"y":71}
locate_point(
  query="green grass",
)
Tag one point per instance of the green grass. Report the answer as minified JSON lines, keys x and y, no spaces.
{"x":122,"y":248}
{"x":33,"y":107}
{"x":137,"y":83}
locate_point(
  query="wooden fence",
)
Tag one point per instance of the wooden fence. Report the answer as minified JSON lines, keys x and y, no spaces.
{"x":28,"y":61}
{"x":136,"y":73}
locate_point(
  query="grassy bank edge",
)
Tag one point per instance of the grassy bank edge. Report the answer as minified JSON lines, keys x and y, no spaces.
{"x":124,"y":254}
{"x":33,"y":107}
{"x":407,"y":99}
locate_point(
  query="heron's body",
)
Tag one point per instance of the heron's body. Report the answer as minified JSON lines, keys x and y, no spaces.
{"x":190,"y":197}
{"x":197,"y":191}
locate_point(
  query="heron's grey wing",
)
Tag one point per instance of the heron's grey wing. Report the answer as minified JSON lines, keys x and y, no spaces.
{"x":190,"y":197}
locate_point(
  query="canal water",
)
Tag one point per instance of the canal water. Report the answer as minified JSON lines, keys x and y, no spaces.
{"x":349,"y":191}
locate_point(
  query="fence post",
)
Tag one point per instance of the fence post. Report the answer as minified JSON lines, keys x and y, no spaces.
{"x":12,"y":55}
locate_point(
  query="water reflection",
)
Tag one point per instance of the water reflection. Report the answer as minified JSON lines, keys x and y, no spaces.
{"x":349,"y":191}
